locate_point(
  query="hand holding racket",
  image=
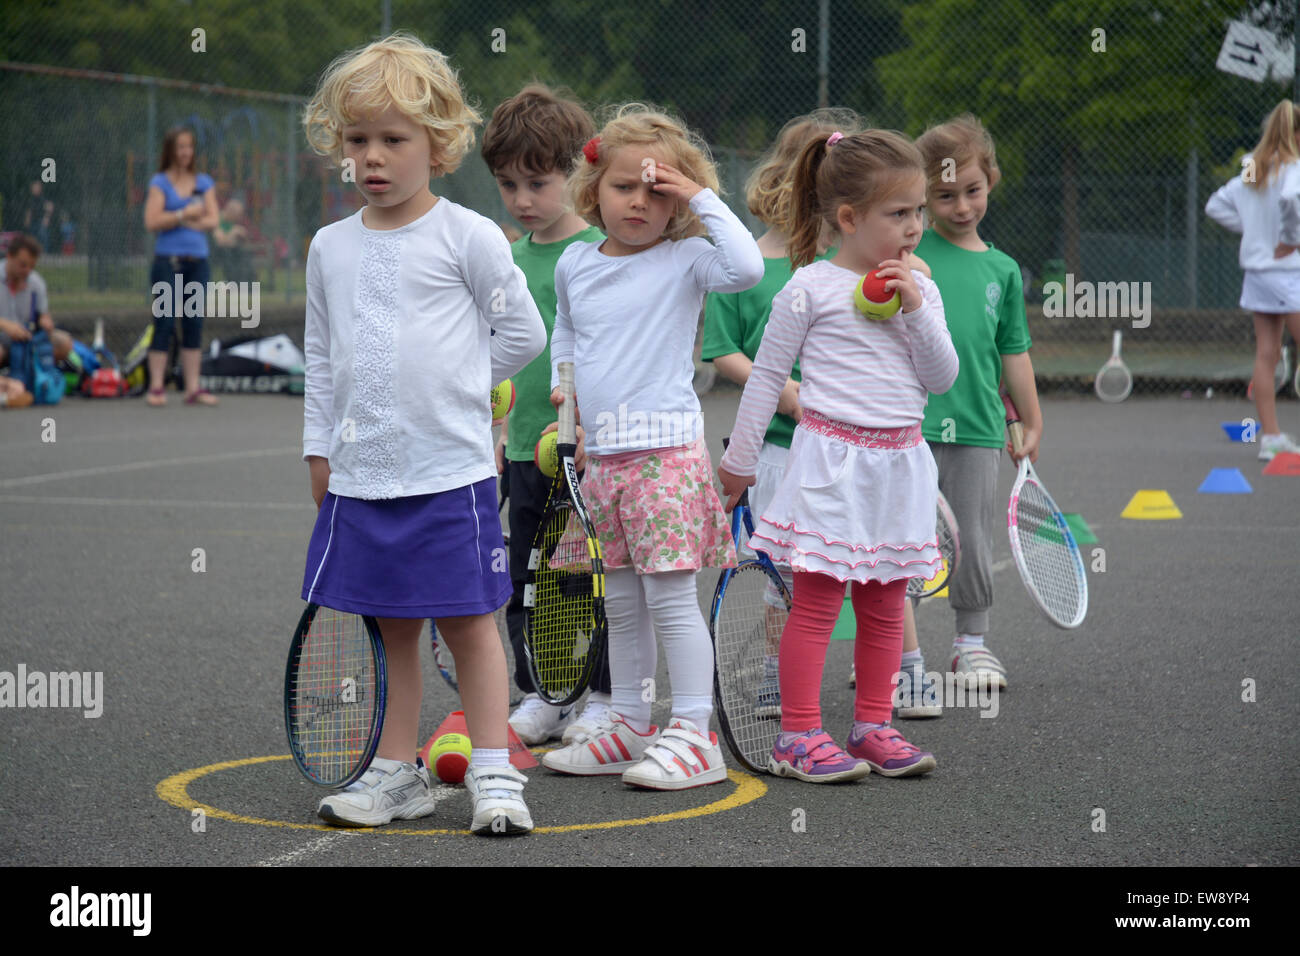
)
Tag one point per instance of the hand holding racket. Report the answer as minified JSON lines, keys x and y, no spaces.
{"x":1041,"y":542}
{"x":335,"y":691}
{"x":564,"y":595}
{"x":1114,"y":381}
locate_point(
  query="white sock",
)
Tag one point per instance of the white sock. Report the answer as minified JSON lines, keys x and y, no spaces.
{"x":913,"y":657}
{"x":968,"y":640}
{"x":483,"y":757}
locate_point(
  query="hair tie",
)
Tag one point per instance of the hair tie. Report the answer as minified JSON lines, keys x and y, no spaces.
{"x":591,"y":150}
{"x":834,"y":138}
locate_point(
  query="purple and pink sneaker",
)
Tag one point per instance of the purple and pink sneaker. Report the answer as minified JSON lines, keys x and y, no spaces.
{"x":815,"y":758}
{"x":888,"y":754}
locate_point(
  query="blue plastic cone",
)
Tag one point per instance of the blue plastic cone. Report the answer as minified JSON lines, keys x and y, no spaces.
{"x":1225,"y":481}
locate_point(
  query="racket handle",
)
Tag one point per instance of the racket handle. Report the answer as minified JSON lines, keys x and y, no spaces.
{"x":1115,"y":340}
{"x":1013,"y":414}
{"x":1016,"y":429}
{"x":568,"y":431}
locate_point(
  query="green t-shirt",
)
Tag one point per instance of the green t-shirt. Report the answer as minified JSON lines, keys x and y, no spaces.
{"x":533,"y":410}
{"x":734,"y":322}
{"x":984,"y":304}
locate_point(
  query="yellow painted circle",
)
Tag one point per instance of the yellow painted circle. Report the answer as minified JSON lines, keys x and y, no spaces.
{"x":175,"y":790}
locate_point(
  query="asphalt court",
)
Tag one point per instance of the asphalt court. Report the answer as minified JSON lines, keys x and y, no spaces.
{"x":1139,"y":714}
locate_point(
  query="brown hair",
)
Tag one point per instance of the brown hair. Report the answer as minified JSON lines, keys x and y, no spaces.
{"x":642,"y":125}
{"x":24,"y":243}
{"x":961,"y":140}
{"x":398,"y":71}
{"x":857,"y":171}
{"x":1277,"y":144}
{"x":168,"y":158}
{"x":539,"y":130}
{"x":767,"y":191}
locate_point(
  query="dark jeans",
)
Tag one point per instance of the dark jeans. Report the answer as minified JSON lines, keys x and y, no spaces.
{"x":529,"y":489}
{"x":165,"y":310}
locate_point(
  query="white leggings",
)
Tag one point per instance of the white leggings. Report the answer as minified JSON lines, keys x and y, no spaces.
{"x":638,"y":606}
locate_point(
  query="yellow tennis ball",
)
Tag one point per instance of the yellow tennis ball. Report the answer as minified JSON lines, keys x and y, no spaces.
{"x":503,"y":399}
{"x":546,"y":455}
{"x":450,"y":757}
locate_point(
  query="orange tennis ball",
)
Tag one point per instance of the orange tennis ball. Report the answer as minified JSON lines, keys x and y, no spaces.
{"x":503,"y":399}
{"x":450,"y":757}
{"x":546,"y":454}
{"x":873,"y":300}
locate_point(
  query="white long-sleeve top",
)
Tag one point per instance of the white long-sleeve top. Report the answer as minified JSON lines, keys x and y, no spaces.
{"x":628,"y":324}
{"x":407,"y":331}
{"x":1264,"y":216}
{"x":855,"y":369}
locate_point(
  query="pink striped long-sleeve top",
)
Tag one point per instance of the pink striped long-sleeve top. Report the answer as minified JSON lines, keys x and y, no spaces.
{"x":856,"y":370}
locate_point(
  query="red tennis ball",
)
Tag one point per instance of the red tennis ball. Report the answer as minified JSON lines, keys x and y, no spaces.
{"x":450,"y":755}
{"x":873,"y":299}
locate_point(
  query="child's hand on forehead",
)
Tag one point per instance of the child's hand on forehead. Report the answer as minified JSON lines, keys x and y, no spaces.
{"x":901,"y":281}
{"x":671,"y":182}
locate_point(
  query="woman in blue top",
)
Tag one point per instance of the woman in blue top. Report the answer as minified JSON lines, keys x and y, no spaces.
{"x":181,"y":207}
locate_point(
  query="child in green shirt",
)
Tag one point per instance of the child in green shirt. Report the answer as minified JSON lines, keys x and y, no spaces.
{"x":984,"y":304}
{"x":530,"y":145}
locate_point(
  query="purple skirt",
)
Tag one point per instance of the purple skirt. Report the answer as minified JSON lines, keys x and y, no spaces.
{"x":439,"y":555}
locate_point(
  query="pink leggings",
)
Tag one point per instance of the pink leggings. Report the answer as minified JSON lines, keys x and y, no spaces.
{"x":876,"y":652}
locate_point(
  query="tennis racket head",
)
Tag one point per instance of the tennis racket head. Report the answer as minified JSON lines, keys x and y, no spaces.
{"x":442,"y":656}
{"x":949,"y":540}
{"x":1042,"y":544}
{"x":564,"y":594}
{"x":335,"y":690}
{"x":750,"y":608}
{"x":1114,"y":382}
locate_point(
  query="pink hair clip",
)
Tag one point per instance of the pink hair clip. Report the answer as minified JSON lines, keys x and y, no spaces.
{"x":834,"y":138}
{"x":591,"y":151}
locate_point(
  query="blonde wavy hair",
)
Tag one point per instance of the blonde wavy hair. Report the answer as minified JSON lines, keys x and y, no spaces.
{"x":638,"y":124}
{"x":398,"y":71}
{"x":768,"y":189}
{"x":1276,"y":146}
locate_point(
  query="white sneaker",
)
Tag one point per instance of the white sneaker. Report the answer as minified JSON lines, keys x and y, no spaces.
{"x":613,"y":748}
{"x":588,"y":722}
{"x":497,"y":796}
{"x":388,"y":790}
{"x":680,"y":759}
{"x":1270,"y":445}
{"x":536,"y":721}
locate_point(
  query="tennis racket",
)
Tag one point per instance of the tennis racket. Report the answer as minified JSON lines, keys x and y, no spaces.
{"x":1114,"y":381}
{"x":1041,"y":542}
{"x":749,"y":611}
{"x":335,"y":690}
{"x":564,"y":595}
{"x":945,"y":527}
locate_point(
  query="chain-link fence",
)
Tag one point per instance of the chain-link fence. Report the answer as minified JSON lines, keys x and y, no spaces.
{"x":1113,"y":126}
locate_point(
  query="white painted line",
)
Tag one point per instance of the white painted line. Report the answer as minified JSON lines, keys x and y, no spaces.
{"x":284,"y":859}
{"x":145,"y":465}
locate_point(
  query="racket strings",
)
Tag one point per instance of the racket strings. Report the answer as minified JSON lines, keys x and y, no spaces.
{"x":747,"y":631}
{"x":1050,"y":556}
{"x":332,"y":702}
{"x":563,"y":624}
{"x":946,"y":537}
{"x":1114,"y":382}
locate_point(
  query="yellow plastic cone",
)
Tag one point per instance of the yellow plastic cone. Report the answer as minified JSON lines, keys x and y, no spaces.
{"x":1150,"y":505}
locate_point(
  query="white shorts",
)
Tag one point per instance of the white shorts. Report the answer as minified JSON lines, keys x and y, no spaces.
{"x":1271,"y":291}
